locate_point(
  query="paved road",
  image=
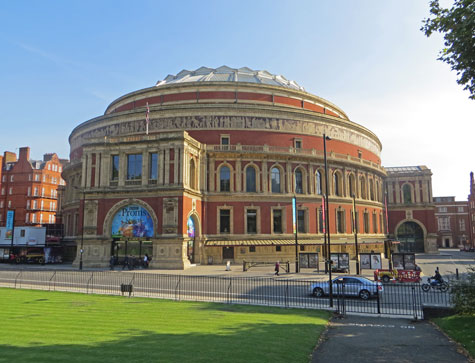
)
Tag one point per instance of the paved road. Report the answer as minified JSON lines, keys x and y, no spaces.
{"x":395,"y":299}
{"x":372,"y":339}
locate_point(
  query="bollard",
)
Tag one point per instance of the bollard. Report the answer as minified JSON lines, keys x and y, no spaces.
{"x":457,"y":273}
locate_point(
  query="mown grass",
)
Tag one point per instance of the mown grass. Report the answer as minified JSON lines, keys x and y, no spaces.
{"x":39,"y":326}
{"x":460,"y":328}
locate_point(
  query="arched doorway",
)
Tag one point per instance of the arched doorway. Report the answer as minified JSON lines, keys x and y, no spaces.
{"x":411,"y":237}
{"x":191,"y":232}
{"x":131,"y":227}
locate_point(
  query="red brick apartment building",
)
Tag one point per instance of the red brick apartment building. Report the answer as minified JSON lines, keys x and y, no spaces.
{"x":29,"y":187}
{"x":453,"y":228}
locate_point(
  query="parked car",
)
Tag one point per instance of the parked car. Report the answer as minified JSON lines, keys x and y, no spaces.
{"x":351,"y":285}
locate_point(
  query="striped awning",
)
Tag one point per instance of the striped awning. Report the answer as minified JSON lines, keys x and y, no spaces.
{"x":262,"y":242}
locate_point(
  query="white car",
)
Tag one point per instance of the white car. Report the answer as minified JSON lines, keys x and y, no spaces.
{"x":350,"y":285}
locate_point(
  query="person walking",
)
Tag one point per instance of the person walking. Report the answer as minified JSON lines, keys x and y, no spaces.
{"x":112,"y":262}
{"x":145,"y":261}
{"x":277,"y":267}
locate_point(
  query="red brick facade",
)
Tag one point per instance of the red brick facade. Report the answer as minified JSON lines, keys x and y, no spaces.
{"x":29,"y":188}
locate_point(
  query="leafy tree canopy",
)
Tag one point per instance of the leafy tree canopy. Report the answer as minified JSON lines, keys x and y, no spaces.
{"x":458,"y":26}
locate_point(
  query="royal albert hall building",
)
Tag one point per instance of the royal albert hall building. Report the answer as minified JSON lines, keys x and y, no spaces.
{"x":211,"y":175}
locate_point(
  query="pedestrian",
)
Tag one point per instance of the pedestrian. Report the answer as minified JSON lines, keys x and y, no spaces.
{"x":126,"y":263}
{"x":112,"y":262}
{"x":277,"y":267}
{"x":145,"y":261}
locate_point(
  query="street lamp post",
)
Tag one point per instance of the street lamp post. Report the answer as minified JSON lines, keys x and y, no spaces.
{"x":81,"y":251}
{"x":330,"y":287}
{"x":355,"y":228}
{"x":389,"y":242}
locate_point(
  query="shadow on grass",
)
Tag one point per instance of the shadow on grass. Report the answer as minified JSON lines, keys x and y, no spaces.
{"x":256,"y":343}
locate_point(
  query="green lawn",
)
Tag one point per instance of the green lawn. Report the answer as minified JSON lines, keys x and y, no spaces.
{"x":460,"y":328}
{"x":39,"y":326}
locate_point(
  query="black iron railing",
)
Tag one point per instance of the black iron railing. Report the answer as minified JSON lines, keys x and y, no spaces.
{"x":398,"y":299}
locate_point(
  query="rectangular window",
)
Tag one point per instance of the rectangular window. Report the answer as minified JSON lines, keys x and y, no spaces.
{"x":10,"y":191}
{"x":340,"y":221}
{"x":320,"y":220}
{"x":37,"y":177}
{"x":277,"y":219}
{"x":375,"y":223}
{"x":442,"y":209}
{"x":3,"y":191}
{"x":357,"y":215}
{"x":460,"y":209}
{"x":224,"y":221}
{"x":1,"y":204}
{"x":153,"y":166}
{"x":462,"y":225}
{"x":366,"y":223}
{"x":251,"y":217}
{"x":22,"y":233}
{"x":252,"y":248}
{"x":224,"y":140}
{"x":9,"y":204}
{"x":115,"y":167}
{"x":444,"y":224}
{"x":301,"y":221}
{"x":302,"y":248}
{"x":134,"y":166}
{"x":298,"y":143}
{"x":11,"y":178}
{"x":278,"y":248}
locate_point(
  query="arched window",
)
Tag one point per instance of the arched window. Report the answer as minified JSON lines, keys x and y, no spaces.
{"x":371,"y":190}
{"x":351,"y":185}
{"x":336,"y":184}
{"x":318,"y":182}
{"x":298,"y":181}
{"x":275,"y":180}
{"x":363,"y":188}
{"x":250,"y":179}
{"x":224,"y":179}
{"x":192,"y":174}
{"x":406,"y":193}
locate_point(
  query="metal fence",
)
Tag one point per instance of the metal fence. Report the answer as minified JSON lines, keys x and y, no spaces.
{"x":399,"y":299}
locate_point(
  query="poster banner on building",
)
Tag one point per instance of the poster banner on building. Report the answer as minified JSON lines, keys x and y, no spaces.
{"x":375,"y":262}
{"x":294,"y":214}
{"x":10,"y":224}
{"x":190,"y":227}
{"x":365,"y":260}
{"x":132,"y":221}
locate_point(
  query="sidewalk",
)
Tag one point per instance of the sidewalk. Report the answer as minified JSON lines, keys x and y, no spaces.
{"x":204,"y":270}
{"x":374,"y":339}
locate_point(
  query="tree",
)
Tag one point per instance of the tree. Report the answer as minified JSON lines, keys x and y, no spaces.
{"x":458,"y":26}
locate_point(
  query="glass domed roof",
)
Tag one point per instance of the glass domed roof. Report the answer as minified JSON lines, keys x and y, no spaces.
{"x":226,"y":74}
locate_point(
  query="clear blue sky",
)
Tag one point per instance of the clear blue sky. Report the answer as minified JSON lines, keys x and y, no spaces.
{"x":63,"y":62}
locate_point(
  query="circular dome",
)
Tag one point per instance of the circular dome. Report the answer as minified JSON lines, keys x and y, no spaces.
{"x":226,"y":74}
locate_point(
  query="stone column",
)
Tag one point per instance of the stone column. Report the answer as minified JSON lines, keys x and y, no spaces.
{"x":265,"y":177}
{"x":122,"y":168}
{"x":238,"y":186}
{"x":212,"y":175}
{"x":145,"y":167}
{"x":288,"y":177}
